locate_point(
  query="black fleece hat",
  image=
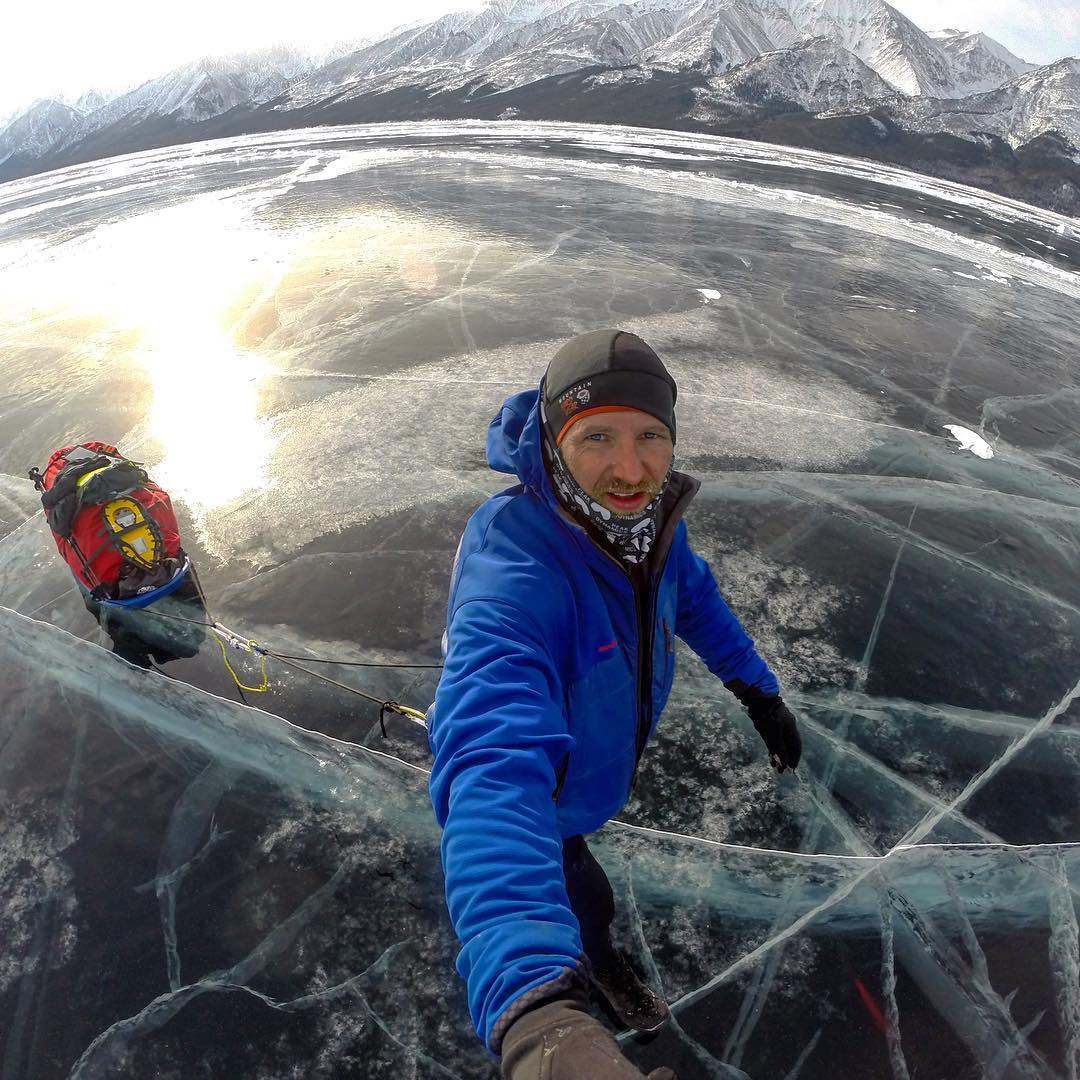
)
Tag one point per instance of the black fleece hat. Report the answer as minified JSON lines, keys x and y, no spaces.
{"x":604,"y":371}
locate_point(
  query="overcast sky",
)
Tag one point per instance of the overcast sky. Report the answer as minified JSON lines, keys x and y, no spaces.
{"x":65,"y":47}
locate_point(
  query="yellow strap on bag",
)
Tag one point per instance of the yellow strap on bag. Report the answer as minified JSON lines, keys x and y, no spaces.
{"x":81,"y":482}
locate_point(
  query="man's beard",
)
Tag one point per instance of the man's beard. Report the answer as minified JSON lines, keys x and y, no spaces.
{"x":649,"y":487}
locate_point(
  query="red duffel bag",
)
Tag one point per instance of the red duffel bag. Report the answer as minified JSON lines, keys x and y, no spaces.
{"x":113,"y":525}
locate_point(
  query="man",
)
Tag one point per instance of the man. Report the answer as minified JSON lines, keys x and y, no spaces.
{"x":565,"y":598}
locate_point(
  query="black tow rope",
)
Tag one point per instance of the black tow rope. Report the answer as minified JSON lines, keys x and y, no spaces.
{"x":415,"y":715}
{"x":224,"y":636}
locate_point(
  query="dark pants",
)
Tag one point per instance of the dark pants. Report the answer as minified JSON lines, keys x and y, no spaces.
{"x":591,"y":900}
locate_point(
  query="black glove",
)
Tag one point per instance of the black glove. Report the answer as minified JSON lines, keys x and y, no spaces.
{"x":776,"y":725}
{"x":561,"y":1041}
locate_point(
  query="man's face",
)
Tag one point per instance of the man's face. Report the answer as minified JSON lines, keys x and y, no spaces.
{"x":619,"y":458}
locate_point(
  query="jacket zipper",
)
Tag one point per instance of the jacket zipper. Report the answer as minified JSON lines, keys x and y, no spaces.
{"x":646,"y":620}
{"x":647,"y":630}
{"x":646,"y":613}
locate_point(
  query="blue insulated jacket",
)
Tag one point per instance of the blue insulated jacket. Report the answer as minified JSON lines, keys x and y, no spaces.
{"x":557,"y":669}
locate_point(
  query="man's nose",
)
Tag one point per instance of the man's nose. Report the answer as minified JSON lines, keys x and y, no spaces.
{"x":628,"y":466}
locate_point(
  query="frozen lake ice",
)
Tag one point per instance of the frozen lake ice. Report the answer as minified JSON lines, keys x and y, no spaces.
{"x":305,"y":336}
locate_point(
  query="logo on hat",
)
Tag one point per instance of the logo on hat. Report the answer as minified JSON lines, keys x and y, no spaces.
{"x":576,"y":398}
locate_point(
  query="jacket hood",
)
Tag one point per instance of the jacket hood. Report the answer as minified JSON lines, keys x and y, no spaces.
{"x":513,"y":441}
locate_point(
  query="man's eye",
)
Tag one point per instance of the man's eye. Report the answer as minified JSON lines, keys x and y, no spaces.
{"x":596,"y":436}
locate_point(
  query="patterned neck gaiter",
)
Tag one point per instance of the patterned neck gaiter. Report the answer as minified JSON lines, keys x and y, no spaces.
{"x":631,"y":538}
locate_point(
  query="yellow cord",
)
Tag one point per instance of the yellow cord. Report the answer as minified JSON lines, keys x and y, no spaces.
{"x":236,"y":678}
{"x":413,"y":714}
{"x":222,"y":632}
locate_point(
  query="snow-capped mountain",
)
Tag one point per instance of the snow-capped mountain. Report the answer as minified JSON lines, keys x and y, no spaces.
{"x":817,"y":75}
{"x":36,"y":131}
{"x":787,"y":70}
{"x":449,"y":52}
{"x":616,"y":37}
{"x":200,"y":90}
{"x":90,"y":100}
{"x":979,"y":63}
{"x":881,"y":37}
{"x":716,"y":36}
{"x":1043,"y":100}
{"x":722,"y":34}
{"x":508,"y":44}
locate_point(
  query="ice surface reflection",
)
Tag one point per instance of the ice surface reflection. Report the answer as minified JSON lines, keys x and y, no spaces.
{"x":306,"y":336}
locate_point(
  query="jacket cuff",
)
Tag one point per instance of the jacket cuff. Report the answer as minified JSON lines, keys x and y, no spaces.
{"x":560,"y":986}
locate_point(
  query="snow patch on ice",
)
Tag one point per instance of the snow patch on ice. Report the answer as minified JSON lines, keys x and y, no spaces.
{"x":710,"y":294}
{"x":969,"y":440}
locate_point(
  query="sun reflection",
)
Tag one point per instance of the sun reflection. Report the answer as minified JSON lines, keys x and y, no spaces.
{"x":176,"y":276}
{"x":213,"y":299}
{"x":205,"y":418}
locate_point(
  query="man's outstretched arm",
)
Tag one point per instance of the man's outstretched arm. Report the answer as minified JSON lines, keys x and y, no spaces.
{"x":499,"y":735}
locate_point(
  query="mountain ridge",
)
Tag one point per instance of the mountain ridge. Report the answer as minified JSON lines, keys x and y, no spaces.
{"x":739,"y":66}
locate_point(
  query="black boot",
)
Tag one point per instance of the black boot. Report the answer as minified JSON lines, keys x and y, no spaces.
{"x":635,"y":1004}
